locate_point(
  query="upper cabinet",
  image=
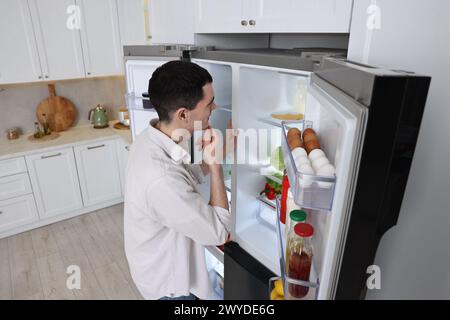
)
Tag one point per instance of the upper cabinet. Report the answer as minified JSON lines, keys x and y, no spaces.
{"x":218,"y":16}
{"x":273,"y":16}
{"x":305,"y":16}
{"x":134,"y":22}
{"x":59,"y":39}
{"x":56,"y":27}
{"x":100,"y":37}
{"x":172,"y":21}
{"x":19,"y":60}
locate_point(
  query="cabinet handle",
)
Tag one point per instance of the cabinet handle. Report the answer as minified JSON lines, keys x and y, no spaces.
{"x":40,"y":77}
{"x":46,"y":77}
{"x":252,"y":22}
{"x":89,"y":73}
{"x":52,"y":156}
{"x":1,"y":212}
{"x":96,"y":147}
{"x":127,"y":148}
{"x":244,"y":22}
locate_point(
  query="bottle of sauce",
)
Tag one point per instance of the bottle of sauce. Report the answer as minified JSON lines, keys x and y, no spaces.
{"x":300,"y":259}
{"x":296,"y":216}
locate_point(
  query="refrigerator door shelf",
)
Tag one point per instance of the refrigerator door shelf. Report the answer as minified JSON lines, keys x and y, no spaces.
{"x":310,"y":191}
{"x":312,"y":284}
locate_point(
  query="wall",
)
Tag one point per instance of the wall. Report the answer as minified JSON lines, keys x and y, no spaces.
{"x":415,"y":255}
{"x":18,"y":102}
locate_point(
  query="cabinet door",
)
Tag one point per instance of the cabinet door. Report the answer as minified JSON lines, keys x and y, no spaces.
{"x":19,"y":59}
{"x":98,"y":171}
{"x":172,"y":21}
{"x":17,"y":212}
{"x":218,"y":16}
{"x":134,"y":23}
{"x":123,"y":150}
{"x":100,"y":37}
{"x":318,"y":16}
{"x":55,"y":182}
{"x":58,"y":38}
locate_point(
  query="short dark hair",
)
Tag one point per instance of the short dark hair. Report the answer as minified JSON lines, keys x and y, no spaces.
{"x":177,"y":84}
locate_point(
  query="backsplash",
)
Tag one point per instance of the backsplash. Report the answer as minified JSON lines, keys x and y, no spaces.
{"x":18,"y":102}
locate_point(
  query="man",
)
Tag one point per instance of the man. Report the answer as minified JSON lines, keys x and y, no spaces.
{"x":167,"y":223}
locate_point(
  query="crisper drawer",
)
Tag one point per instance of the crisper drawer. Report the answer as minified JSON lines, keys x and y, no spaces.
{"x":12,"y":166}
{"x":14,"y":186}
{"x":16,"y":212}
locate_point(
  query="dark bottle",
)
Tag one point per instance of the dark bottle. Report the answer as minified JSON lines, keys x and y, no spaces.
{"x":37,"y":131}
{"x":300,"y":259}
{"x":45,"y":126}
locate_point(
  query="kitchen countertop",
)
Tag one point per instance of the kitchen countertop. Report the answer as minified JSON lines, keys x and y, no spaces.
{"x":75,"y":135}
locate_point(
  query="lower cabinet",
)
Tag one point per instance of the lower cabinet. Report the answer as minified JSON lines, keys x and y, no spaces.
{"x":55,"y":182}
{"x":98,"y":171}
{"x":17,"y":212}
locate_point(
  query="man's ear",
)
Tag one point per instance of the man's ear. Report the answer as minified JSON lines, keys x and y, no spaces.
{"x":182,"y":114}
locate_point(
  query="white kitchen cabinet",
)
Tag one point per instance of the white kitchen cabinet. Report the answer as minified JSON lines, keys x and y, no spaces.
{"x":100,"y":37}
{"x":12,"y":166}
{"x":134,"y":22}
{"x":56,"y":26}
{"x":273,"y":16}
{"x":14,"y":186}
{"x":98,"y":171}
{"x":172,"y":21}
{"x":54,"y":180}
{"x":17,"y":212}
{"x":305,"y":16}
{"x":218,"y":16}
{"x":123,"y":151}
{"x":19,"y":59}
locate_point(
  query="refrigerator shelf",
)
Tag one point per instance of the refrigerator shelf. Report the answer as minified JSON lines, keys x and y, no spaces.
{"x":309,"y":191}
{"x":313,"y":283}
{"x":268,"y":203}
{"x":274,"y":122}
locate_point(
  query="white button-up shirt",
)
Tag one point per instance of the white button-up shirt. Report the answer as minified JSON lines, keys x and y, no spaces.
{"x":167,"y":223}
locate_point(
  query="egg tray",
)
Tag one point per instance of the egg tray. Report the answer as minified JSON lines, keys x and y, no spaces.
{"x":309,"y":191}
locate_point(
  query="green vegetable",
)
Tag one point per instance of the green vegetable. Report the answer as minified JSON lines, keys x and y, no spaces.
{"x":276,"y":159}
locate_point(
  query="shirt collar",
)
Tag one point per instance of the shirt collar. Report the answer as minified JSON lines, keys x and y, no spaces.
{"x":178,"y":152}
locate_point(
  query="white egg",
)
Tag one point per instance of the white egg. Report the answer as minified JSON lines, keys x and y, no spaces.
{"x":319,"y":163}
{"x":299,"y":161}
{"x":297,"y":152}
{"x":327,"y":170}
{"x":316,"y":154}
{"x":306,"y":169}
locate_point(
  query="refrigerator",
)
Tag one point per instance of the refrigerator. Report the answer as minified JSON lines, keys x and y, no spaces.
{"x":367,"y":120}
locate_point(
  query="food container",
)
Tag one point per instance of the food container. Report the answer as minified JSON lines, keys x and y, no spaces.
{"x":310,"y":191}
{"x":13,"y":133}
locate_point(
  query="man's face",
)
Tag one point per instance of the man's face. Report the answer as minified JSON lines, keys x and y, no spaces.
{"x":203,"y":109}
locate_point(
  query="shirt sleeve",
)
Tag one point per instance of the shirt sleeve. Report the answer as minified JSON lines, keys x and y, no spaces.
{"x":196,"y":172}
{"x":177,"y":205}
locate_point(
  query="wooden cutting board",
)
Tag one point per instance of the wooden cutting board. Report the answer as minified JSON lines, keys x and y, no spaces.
{"x":59,"y":111}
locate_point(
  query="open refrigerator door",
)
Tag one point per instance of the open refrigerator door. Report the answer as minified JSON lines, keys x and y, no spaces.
{"x":220,"y":118}
{"x":339,"y":123}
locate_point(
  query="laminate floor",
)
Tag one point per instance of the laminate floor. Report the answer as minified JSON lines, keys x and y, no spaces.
{"x":40,"y":264}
